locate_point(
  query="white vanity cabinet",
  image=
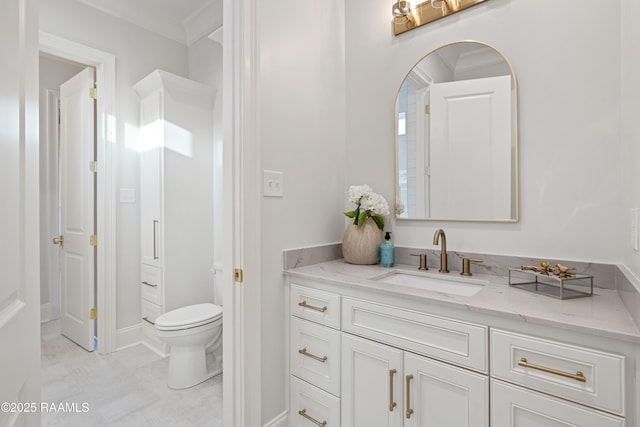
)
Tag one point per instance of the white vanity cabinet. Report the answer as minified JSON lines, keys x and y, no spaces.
{"x":357,"y":357}
{"x":385,"y":386}
{"x":176,"y":195}
{"x":406,"y":363}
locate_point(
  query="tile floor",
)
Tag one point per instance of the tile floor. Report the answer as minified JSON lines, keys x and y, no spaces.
{"x":125,"y":388}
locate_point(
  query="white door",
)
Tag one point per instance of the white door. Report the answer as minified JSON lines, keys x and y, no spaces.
{"x":371,"y":384}
{"x":19,"y":215}
{"x":440,"y":395}
{"x":77,"y":194}
{"x":470,"y":149}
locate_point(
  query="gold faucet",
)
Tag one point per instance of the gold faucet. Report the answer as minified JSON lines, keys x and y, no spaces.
{"x":443,"y":252}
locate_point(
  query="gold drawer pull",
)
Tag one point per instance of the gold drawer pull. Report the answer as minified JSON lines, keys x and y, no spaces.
{"x":578,"y":376}
{"x":149,"y":284}
{"x":392,"y":404}
{"x":409,"y":410}
{"x":305,"y":305}
{"x":148,"y":321}
{"x":303,"y":351}
{"x":303,"y":412}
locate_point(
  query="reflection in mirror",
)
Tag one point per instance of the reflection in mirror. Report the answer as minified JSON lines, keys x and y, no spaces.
{"x":456,"y":137}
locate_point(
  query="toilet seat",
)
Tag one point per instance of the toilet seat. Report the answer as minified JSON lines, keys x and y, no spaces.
{"x":189,"y":317}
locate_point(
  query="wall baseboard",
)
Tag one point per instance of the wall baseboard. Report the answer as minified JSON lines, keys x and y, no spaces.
{"x":129,"y":336}
{"x":45,"y":312}
{"x":279,"y":421}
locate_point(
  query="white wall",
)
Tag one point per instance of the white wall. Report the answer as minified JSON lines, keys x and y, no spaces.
{"x":630,"y":123}
{"x":205,"y":66}
{"x":301,"y":87}
{"x":138,"y":52}
{"x":567,"y":61}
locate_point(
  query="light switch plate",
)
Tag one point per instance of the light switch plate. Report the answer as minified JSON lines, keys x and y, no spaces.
{"x":127,"y":195}
{"x":272,"y":182}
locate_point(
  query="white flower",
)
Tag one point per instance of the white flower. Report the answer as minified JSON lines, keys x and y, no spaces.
{"x":376,"y":204}
{"x":370,"y":205}
{"x":356,"y":192}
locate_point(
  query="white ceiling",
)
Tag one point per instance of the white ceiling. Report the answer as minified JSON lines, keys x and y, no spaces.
{"x":184,"y":21}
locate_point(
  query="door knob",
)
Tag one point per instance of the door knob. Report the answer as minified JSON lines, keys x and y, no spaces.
{"x":58,"y":240}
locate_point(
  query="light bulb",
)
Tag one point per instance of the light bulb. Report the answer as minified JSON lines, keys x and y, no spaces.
{"x":401,"y":8}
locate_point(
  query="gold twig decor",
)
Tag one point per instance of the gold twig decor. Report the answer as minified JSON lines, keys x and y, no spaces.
{"x":545,"y":269}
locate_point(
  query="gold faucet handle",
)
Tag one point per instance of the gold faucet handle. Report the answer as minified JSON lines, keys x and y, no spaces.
{"x":466,"y":265}
{"x":423,"y":261}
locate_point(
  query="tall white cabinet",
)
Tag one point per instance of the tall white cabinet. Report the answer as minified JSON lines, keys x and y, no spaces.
{"x":176,"y":196}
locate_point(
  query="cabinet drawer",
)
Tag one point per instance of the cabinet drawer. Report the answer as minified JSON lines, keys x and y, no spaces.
{"x":457,"y":342}
{"x":317,"y":306}
{"x":150,"y":312}
{"x":515,"y":406}
{"x":311,"y":406}
{"x":555,"y":367}
{"x":151,"y":284}
{"x":315,"y":354}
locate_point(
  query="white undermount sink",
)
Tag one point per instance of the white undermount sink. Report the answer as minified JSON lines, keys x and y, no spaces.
{"x":439,"y":283}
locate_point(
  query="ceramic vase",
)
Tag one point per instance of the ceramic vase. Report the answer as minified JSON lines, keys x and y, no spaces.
{"x":362,"y":245}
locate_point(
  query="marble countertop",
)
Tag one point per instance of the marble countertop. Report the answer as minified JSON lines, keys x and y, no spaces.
{"x":602,"y":314}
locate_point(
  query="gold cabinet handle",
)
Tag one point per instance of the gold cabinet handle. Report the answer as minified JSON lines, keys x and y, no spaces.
{"x":303,"y":412}
{"x":304,"y":352}
{"x":148,"y":321}
{"x":149,"y":284}
{"x":409,"y":410}
{"x":311,"y":307}
{"x":392,"y":404}
{"x":578,"y":376}
{"x":58,"y":240}
{"x":155,"y":239}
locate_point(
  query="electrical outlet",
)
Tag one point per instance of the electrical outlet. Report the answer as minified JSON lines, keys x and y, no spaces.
{"x":272,"y":182}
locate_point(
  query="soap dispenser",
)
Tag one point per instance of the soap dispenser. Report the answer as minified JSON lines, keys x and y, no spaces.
{"x":387,"y":252}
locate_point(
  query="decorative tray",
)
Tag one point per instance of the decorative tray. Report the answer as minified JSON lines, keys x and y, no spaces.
{"x":580,"y":285}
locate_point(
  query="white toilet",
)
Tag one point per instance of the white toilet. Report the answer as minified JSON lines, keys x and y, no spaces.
{"x":190,"y":331}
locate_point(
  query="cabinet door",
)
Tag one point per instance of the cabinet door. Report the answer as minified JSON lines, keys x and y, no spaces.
{"x":151,"y":136}
{"x":440,"y":395}
{"x":371,"y":383}
{"x":150,"y":207}
{"x":513,"y":406}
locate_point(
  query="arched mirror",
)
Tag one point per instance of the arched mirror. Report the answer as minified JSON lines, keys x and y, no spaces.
{"x":456,"y":140}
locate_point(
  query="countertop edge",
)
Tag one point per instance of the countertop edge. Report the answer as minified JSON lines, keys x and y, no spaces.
{"x":436,"y":298}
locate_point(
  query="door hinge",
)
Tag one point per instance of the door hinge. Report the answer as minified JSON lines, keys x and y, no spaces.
{"x":238,"y":275}
{"x":93,"y":166}
{"x":427,"y":109}
{"x":93,"y":240}
{"x":93,"y":93}
{"x":93,"y":313}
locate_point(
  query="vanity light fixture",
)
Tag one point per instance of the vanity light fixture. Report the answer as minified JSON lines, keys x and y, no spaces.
{"x":447,"y":6}
{"x":401,"y":8}
{"x":407,"y":18}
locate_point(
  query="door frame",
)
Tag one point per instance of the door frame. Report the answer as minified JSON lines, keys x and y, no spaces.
{"x":105,"y":65}
{"x":242,"y":389}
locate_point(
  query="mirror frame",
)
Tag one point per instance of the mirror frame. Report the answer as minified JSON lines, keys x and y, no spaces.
{"x":515,"y":155}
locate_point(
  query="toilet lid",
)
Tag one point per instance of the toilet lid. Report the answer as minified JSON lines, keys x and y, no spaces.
{"x":190,"y":316}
